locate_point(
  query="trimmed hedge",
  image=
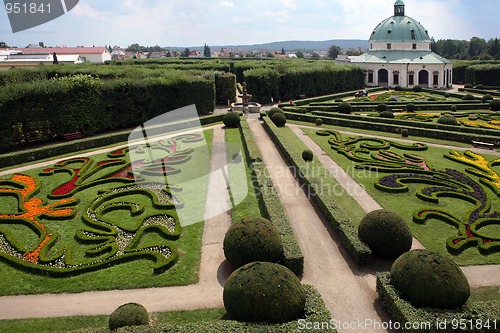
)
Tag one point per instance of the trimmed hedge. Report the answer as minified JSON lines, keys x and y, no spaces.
{"x":130,"y":314}
{"x":404,"y":313}
{"x":279,"y":119}
{"x":62,"y":148}
{"x":339,"y":220}
{"x":225,"y":88}
{"x":232,"y":119}
{"x":270,"y":204}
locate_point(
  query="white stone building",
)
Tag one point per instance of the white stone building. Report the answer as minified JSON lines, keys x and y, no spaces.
{"x":400,"y":55}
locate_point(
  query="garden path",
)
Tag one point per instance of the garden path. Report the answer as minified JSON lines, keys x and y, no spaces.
{"x":348,"y":290}
{"x":207,"y":293}
{"x":478,"y":276}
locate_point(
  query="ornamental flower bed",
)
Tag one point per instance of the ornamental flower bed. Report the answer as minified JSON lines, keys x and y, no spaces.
{"x":114,"y":228}
{"x":478,"y":187}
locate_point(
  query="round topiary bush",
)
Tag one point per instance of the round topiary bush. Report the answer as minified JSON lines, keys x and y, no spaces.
{"x":252,"y":239}
{"x":382,"y":107}
{"x":307,"y":155}
{"x":486,"y":98}
{"x":428,"y":279}
{"x":130,"y":314}
{"x":453,"y":108}
{"x":495,"y":105}
{"x":405,"y":133}
{"x":237,"y":158}
{"x":398,"y":88}
{"x":411,"y":107}
{"x":279,"y":119}
{"x":480,"y":87}
{"x":447,"y":95}
{"x":417,"y":89}
{"x":339,"y":100}
{"x":232,"y":119}
{"x":385,"y":233}
{"x":345,"y":107}
{"x":386,"y":114}
{"x":264,"y":292}
{"x":272,"y":111}
{"x":319,"y":122}
{"x":469,"y":97}
{"x":468,"y":86}
{"x":447,"y":119}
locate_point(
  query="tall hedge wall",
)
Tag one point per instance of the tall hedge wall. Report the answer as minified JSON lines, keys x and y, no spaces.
{"x":45,"y":110}
{"x":488,"y":75}
{"x":295,"y":81}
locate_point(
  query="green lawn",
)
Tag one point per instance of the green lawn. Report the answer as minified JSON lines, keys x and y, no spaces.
{"x":434,"y":233}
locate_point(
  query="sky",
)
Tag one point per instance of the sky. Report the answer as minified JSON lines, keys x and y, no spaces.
{"x":188,"y":23}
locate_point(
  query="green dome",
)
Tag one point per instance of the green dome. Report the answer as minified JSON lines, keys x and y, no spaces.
{"x":400,"y":28}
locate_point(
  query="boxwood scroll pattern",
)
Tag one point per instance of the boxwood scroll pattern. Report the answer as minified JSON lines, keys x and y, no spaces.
{"x":116,"y":223}
{"x":374,"y":154}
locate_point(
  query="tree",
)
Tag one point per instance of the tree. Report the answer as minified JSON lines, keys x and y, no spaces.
{"x":299,"y":54}
{"x":3,"y":45}
{"x":133,"y":48}
{"x":55,"y":61}
{"x":283,"y":51}
{"x":206,"y":52}
{"x":186,"y":52}
{"x":476,"y":47}
{"x":334,"y":51}
{"x":269,"y":55}
{"x":168,"y":55}
{"x":315,"y":55}
{"x":110,"y":49}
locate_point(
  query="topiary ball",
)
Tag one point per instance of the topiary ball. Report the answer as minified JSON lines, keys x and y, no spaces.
{"x":279,"y":119}
{"x":468,"y":86}
{"x":252,"y":239}
{"x":319,"y":122}
{"x":447,"y":119}
{"x":386,"y":114}
{"x":232,"y":119}
{"x":382,"y":107}
{"x":130,"y":314}
{"x":447,"y":95}
{"x":339,"y":100}
{"x":453,"y":108}
{"x":480,"y":87}
{"x":411,"y":107}
{"x":385,"y":233}
{"x":469,"y":97}
{"x":405,"y":133}
{"x":345,"y":108}
{"x":486,"y":98}
{"x":428,"y":279}
{"x":264,"y":292}
{"x":272,"y":111}
{"x":417,"y":89}
{"x":495,"y":105}
{"x":398,"y":88}
{"x":307,"y":155}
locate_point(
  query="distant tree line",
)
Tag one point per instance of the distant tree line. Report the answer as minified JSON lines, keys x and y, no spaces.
{"x":475,"y":49}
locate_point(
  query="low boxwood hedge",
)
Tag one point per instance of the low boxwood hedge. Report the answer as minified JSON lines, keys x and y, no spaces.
{"x":408,"y":317}
{"x":270,"y":204}
{"x":340,"y":221}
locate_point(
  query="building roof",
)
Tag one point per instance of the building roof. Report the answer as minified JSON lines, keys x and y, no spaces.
{"x":399,"y":28}
{"x":63,"y":50}
{"x":400,"y":57}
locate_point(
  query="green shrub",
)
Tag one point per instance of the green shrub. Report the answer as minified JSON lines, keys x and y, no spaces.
{"x":345,"y":108}
{"x":469,"y":97}
{"x":382,"y":107}
{"x":307,"y":155}
{"x":339,"y":100}
{"x":405,"y":133}
{"x":398,"y":88}
{"x":428,"y":279}
{"x":264,"y":292}
{"x":486,"y":98}
{"x":386,"y":233}
{"x":495,"y":105}
{"x":130,"y":314}
{"x":225,"y":88}
{"x":272,"y":111}
{"x":279,"y":119}
{"x":468,"y":86}
{"x":447,"y":95}
{"x":386,"y":114}
{"x":232,"y":119}
{"x":418,"y":89}
{"x":480,"y":87}
{"x":252,"y":239}
{"x":319,"y":122}
{"x":411,"y":107}
{"x":447,"y":119}
{"x":432,"y":99}
{"x":453,"y":108}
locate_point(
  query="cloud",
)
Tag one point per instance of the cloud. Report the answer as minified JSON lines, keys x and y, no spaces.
{"x":227,"y":4}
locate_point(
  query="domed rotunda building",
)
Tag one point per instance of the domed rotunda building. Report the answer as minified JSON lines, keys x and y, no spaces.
{"x":400,"y":55}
